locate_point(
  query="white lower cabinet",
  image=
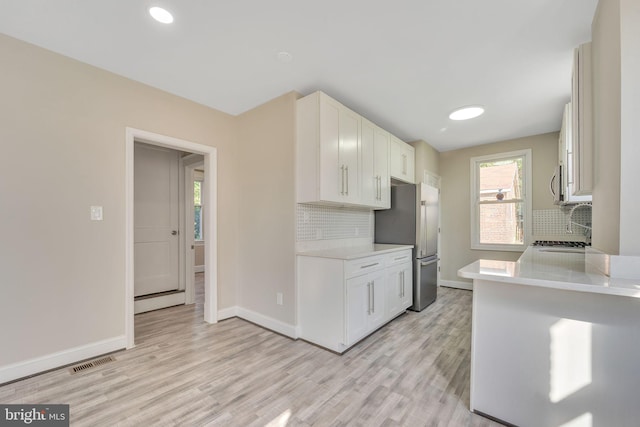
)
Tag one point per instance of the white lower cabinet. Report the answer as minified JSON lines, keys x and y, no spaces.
{"x":399,"y":288}
{"x":365,"y":305}
{"x":342,"y":301}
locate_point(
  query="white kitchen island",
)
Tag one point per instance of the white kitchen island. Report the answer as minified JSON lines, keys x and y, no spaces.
{"x":554,"y":342}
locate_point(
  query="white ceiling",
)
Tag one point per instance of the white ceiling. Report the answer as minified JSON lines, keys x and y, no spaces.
{"x":404,"y":64}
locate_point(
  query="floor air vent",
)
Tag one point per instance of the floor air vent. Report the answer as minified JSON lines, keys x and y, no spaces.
{"x":92,"y":364}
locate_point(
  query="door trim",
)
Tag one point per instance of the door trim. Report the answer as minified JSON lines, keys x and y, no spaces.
{"x":211,"y":231}
{"x":190,"y":163}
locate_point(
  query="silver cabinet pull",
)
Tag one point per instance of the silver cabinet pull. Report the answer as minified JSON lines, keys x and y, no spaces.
{"x":347,"y":173}
{"x":403,"y":284}
{"x":373,"y":297}
{"x":369,"y":298}
{"x":342,"y":180}
{"x":369,"y":265}
{"x":400,"y":283}
{"x":404,"y":164}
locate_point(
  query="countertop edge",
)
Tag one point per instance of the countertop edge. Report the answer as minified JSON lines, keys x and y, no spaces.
{"x":470,"y":272}
{"x":357,"y":252}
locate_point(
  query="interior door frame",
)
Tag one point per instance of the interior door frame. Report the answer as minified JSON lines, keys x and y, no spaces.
{"x":190,"y":164}
{"x":210,"y":154}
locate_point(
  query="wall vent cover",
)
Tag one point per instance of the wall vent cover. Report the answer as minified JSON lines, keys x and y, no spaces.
{"x":92,"y":364}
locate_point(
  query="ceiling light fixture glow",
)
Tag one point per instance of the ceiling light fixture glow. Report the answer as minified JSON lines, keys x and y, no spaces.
{"x":466,"y":113}
{"x":161,"y":15}
{"x":284,"y":57}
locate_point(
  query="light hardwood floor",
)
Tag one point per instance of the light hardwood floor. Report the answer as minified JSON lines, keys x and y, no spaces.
{"x":412,"y":372}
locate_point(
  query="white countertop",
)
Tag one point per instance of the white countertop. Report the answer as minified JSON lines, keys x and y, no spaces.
{"x":355,"y":252}
{"x":551,"y":268}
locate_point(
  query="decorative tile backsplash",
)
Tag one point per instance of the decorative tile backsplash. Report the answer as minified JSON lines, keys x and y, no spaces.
{"x":553,"y":222}
{"x":328,"y":222}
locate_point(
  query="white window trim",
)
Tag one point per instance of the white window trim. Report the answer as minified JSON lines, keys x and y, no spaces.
{"x":475,"y":205}
{"x":199,"y":176}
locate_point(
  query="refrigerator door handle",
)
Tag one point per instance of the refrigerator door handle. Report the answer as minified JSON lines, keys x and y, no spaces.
{"x":424,"y":264}
{"x":423,"y":228}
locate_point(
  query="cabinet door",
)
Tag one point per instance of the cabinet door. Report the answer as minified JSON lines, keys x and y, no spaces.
{"x":331,"y":172}
{"x":394,"y":291}
{"x":339,"y":151}
{"x":402,"y":160}
{"x":381,"y":168}
{"x":368,"y":178}
{"x":406,"y":286}
{"x":374,"y":166}
{"x":358,"y":307}
{"x":349,"y":154}
{"x":377,"y":314}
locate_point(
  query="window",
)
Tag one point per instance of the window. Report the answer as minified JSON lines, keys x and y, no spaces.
{"x":501,"y":201}
{"x":197,"y":209}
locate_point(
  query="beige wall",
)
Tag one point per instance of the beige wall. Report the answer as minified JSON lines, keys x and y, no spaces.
{"x":616,"y":86}
{"x":266,"y":214}
{"x":629,"y":127}
{"x":606,"y":126}
{"x":427,"y":159}
{"x":455,"y":238}
{"x":62,"y":130}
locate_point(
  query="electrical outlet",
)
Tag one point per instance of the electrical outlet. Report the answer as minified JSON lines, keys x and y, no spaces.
{"x":96,"y":213}
{"x":279,"y":298}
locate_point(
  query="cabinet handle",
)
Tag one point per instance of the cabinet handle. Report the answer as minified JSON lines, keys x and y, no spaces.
{"x":373,"y":297}
{"x":400,"y":283}
{"x":342,"y":180}
{"x":369,"y":298}
{"x":404,"y":164}
{"x":403,"y":284}
{"x":347,"y":173}
{"x":379,"y":187}
{"x":369,"y":265}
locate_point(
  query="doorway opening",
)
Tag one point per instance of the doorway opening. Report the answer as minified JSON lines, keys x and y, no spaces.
{"x":209,"y":237}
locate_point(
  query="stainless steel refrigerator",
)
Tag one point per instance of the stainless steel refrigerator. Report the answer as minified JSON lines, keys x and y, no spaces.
{"x":413,"y":220}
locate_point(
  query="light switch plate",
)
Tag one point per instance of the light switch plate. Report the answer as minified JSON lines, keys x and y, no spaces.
{"x":96,"y":213}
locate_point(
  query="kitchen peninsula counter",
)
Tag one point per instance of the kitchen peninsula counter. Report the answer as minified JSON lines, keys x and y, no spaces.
{"x":554,"y":268}
{"x":554,"y":342}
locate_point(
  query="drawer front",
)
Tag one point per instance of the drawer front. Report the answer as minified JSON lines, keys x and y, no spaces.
{"x":363,"y":265}
{"x":399,"y":257}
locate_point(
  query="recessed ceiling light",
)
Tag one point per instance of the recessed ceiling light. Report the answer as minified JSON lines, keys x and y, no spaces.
{"x":284,"y":57}
{"x":466,"y":113}
{"x":161,"y":15}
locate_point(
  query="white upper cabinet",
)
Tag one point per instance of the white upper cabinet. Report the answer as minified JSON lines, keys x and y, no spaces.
{"x":328,"y":149}
{"x":582,"y":122}
{"x":341,"y":158}
{"x":566,"y":156}
{"x":375,"y":182}
{"x":402,"y":161}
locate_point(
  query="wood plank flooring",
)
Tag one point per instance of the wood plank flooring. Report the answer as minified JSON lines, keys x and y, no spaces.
{"x":412,"y":372}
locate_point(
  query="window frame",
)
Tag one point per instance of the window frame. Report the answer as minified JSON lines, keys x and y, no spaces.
{"x":526,"y":200}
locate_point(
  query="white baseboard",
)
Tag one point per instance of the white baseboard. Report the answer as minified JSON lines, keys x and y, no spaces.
{"x":227,"y":313}
{"x":456,"y":284}
{"x":156,"y":303}
{"x":36,"y":365}
{"x":267,"y":322}
{"x":198,"y":269}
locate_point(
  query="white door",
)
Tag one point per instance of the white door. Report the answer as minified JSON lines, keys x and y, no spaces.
{"x":156,"y":219}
